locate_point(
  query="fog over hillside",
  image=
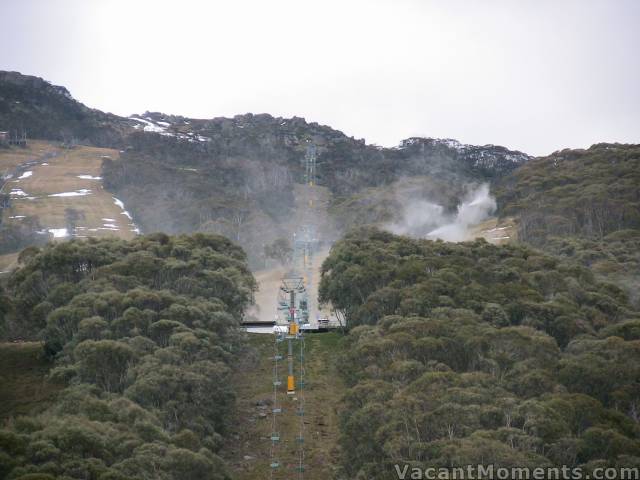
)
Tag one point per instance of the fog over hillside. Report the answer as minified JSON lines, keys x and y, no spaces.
{"x":423,"y":219}
{"x":237,"y":176}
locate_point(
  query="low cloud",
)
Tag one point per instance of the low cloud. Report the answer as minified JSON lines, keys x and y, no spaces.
{"x":424,"y":219}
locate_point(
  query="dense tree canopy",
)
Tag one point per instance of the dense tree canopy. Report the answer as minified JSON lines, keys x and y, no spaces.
{"x":615,"y":258}
{"x":143,"y":333}
{"x":582,"y":205}
{"x":588,"y":193}
{"x":474,"y":353}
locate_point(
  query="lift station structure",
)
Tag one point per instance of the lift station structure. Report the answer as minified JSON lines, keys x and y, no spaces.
{"x":293,"y":312}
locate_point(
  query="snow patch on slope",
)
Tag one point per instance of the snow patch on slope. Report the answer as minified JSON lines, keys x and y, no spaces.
{"x":134,"y":228}
{"x":78,"y":193}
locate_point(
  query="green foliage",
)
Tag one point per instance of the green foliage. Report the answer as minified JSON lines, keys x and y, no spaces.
{"x":143,"y":333}
{"x":104,"y":363}
{"x":474,"y":353}
{"x":615,"y":258}
{"x":373,"y":273}
{"x":588,"y":193}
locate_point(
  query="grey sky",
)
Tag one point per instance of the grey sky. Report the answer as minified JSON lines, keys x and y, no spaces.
{"x":534,"y":75}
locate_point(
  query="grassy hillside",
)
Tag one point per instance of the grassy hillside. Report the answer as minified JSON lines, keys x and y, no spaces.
{"x":458,"y":353}
{"x":64,"y":190}
{"x":28,"y":391}
{"x":248,"y":452}
{"x":54,"y":192}
{"x":12,"y":158}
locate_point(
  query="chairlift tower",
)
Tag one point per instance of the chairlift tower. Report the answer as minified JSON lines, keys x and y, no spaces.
{"x":293,"y":312}
{"x":292,"y":300}
{"x":310,"y":161}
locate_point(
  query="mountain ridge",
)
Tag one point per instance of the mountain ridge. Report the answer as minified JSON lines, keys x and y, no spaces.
{"x":236,"y":176}
{"x":14,"y":85}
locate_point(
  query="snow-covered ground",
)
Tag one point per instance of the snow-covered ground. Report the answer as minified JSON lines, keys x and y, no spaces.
{"x":134,"y":227}
{"x":147,"y":124}
{"x":78,"y":193}
{"x":17,"y":192}
{"x":59,"y":232}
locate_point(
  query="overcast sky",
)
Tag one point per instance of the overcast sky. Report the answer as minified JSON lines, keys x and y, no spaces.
{"x":533,"y":75}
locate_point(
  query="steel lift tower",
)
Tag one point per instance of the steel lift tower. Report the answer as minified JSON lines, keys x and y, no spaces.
{"x":308,"y":240}
{"x":293,"y":306}
{"x":292,"y":286}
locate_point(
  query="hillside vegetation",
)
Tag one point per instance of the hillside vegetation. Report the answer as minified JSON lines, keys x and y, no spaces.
{"x":588,"y":193}
{"x":583,"y":205}
{"x":44,"y":111}
{"x":473,"y":353}
{"x":236,"y":176}
{"x":143,"y":333}
{"x":521,"y":354}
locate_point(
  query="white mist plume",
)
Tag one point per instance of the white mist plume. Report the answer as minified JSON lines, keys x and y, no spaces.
{"x":478,"y":207}
{"x":425,"y":219}
{"x":419,"y":218}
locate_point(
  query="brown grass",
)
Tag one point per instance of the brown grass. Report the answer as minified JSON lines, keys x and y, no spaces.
{"x":248,"y":452}
{"x":495,"y":230}
{"x":10,"y":158}
{"x":61,"y":175}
